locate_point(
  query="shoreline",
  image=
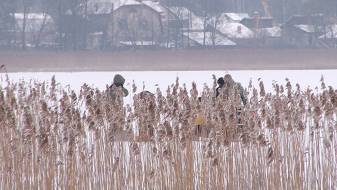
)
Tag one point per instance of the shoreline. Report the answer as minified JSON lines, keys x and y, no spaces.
{"x":170,"y":60}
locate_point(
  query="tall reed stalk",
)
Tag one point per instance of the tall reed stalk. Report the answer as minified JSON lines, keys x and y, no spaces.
{"x":53,"y":138}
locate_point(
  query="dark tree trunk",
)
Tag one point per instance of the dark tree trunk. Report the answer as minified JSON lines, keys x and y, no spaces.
{"x":24,"y":22}
{"x":38,"y":39}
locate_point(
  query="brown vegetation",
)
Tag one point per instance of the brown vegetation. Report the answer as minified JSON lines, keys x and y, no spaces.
{"x":53,"y":138}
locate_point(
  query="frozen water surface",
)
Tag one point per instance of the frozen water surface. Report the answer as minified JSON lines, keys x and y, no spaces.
{"x":162,"y":79}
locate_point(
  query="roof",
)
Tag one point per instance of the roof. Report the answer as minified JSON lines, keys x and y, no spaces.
{"x":155,"y":6}
{"x":231,"y":29}
{"x":105,"y":6}
{"x":32,"y":16}
{"x":261,"y":22}
{"x":235,"y":30}
{"x":129,"y":2}
{"x":237,"y":17}
{"x":34,"y":21}
{"x":306,"y":28}
{"x":331,"y":34}
{"x":198,"y":37}
{"x":180,"y":12}
{"x":225,"y":26}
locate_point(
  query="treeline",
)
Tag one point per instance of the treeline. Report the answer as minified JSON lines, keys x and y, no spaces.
{"x":57,"y":9}
{"x":281,"y":10}
{"x":70,"y":16}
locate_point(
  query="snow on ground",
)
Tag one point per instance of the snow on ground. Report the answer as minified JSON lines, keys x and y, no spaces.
{"x":154,"y":79}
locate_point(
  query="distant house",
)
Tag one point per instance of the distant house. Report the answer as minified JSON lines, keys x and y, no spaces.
{"x":303,"y":31}
{"x":37,"y":30}
{"x":116,"y":23}
{"x":330,"y":37}
{"x":266,"y":33}
{"x":98,"y":16}
{"x":171,"y":24}
{"x":215,"y":31}
{"x":233,"y":30}
{"x":124,"y":23}
{"x":135,"y":24}
{"x":185,"y":23}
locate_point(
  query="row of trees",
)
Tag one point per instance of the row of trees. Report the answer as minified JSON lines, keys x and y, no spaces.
{"x":280,"y":9}
{"x":57,"y":9}
{"x":73,"y":31}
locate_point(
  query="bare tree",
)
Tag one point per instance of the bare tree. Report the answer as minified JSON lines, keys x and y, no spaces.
{"x":214,"y":27}
{"x":26,"y":5}
{"x":42,"y":27}
{"x":7,"y":22}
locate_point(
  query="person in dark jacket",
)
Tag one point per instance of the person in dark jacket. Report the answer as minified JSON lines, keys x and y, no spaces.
{"x":226,"y":84}
{"x":118,"y":84}
{"x":221,"y":84}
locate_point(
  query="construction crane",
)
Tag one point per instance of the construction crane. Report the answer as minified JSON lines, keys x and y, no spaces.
{"x":266,"y":8}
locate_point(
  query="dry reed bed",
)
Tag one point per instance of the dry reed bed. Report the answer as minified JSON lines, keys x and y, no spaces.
{"x":53,"y":138}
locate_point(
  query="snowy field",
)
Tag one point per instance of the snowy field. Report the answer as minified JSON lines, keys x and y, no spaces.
{"x":151,"y":80}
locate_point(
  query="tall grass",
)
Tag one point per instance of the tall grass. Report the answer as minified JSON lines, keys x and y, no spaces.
{"x":53,"y":138}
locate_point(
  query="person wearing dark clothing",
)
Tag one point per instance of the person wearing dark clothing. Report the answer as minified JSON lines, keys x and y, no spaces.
{"x":221,"y":84}
{"x":115,"y":94}
{"x":226,"y":84}
{"x":118,"y":83}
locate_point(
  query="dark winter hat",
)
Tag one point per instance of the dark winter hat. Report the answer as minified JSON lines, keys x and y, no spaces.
{"x":119,"y":80}
{"x":221,"y":81}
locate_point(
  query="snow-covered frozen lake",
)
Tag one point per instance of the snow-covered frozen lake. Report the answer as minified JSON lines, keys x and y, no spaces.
{"x":152,"y":79}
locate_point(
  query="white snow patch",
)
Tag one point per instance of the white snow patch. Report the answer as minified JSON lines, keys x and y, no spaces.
{"x":236,"y":17}
{"x":154,"y":79}
{"x":34,"y":21}
{"x":219,"y":40}
{"x":331,"y":34}
{"x":306,"y":28}
{"x":274,"y":32}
